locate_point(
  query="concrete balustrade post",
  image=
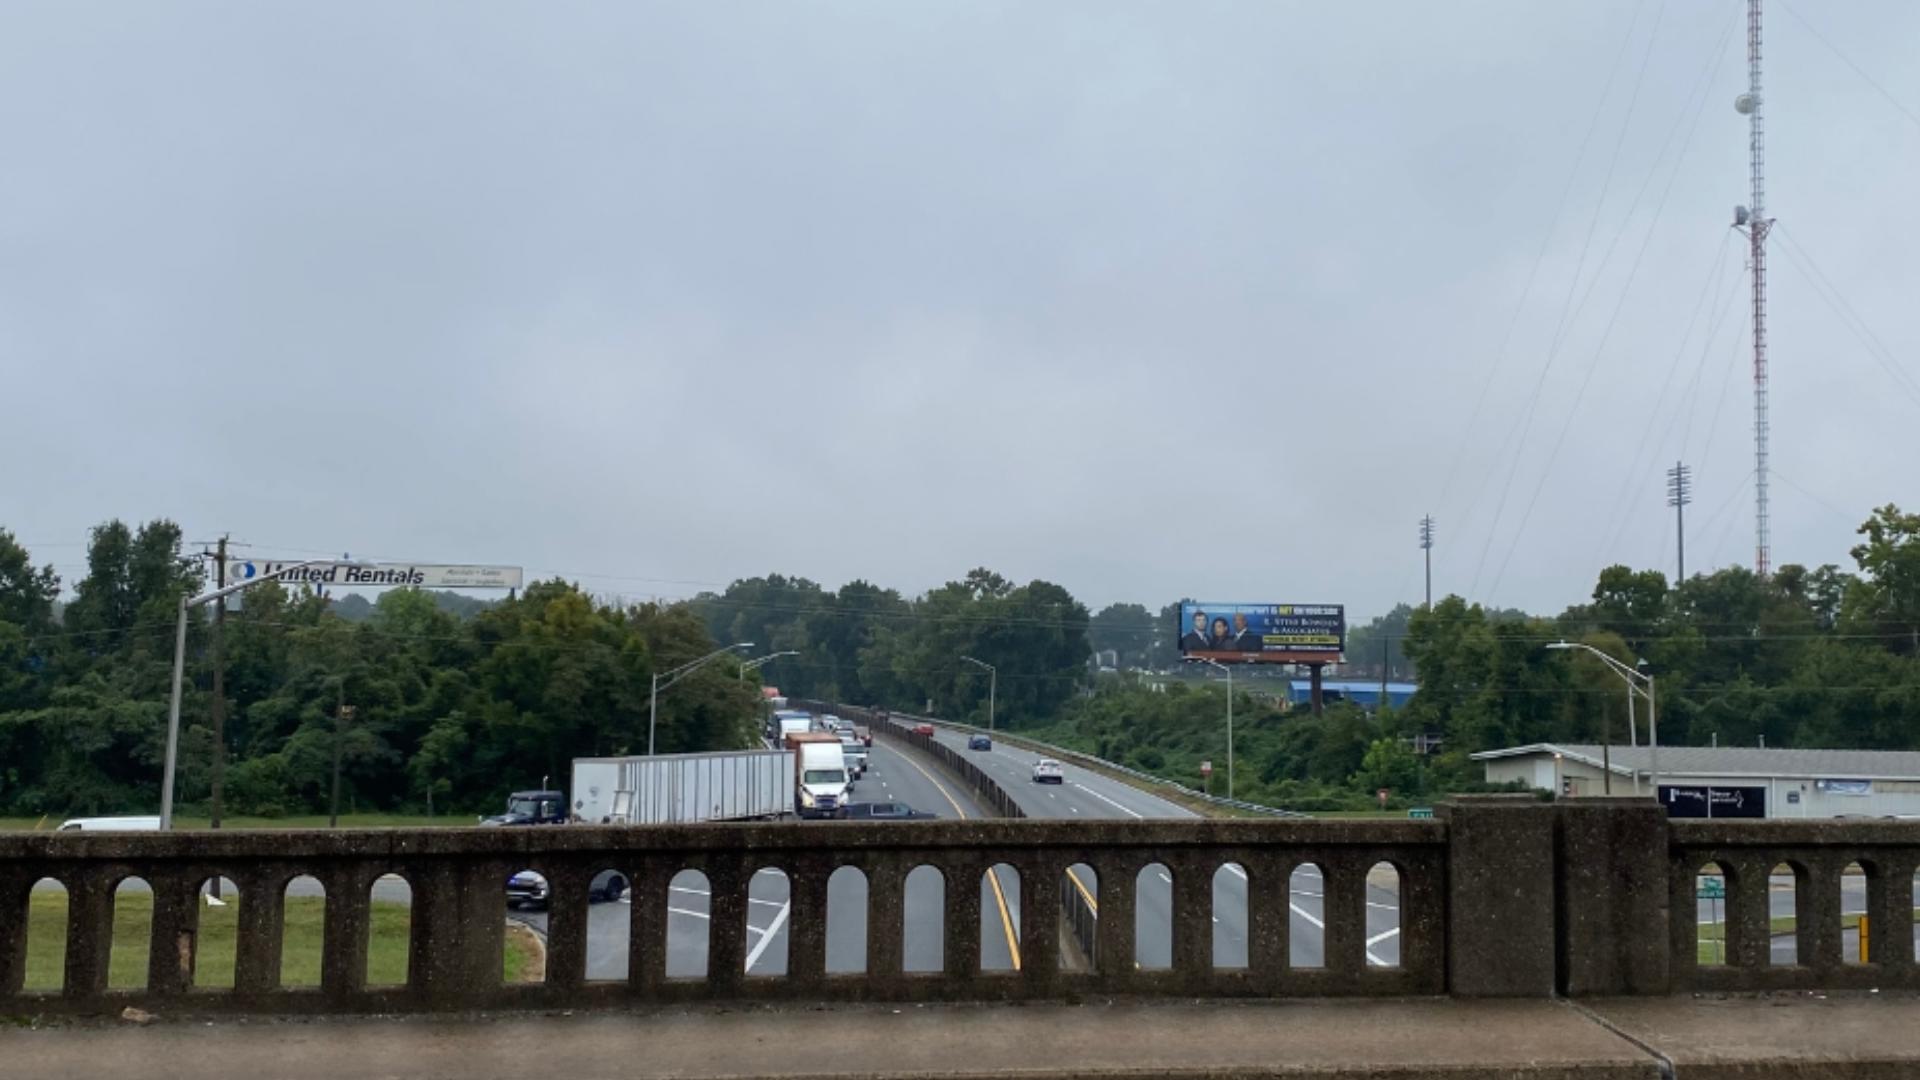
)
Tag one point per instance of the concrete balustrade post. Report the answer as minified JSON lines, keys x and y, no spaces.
{"x":1613,"y":895}
{"x":172,"y":945}
{"x":1500,"y":896}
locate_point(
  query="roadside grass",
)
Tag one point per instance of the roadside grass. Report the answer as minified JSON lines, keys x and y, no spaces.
{"x":387,"y":941}
{"x":1711,"y":945}
{"x":302,"y":821}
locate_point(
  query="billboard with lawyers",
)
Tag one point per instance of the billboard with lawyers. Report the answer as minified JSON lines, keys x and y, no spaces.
{"x":1262,"y":633}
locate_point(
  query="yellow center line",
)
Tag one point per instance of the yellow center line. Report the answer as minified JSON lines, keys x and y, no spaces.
{"x":1006,"y":917}
{"x":1093,"y":904}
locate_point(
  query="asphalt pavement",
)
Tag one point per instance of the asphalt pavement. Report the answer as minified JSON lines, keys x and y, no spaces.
{"x":1088,"y":794}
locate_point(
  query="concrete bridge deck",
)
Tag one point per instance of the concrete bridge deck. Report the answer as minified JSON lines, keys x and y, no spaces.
{"x":1864,"y":1037}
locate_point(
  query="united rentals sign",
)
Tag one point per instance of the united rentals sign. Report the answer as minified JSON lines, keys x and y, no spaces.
{"x":361,"y":575}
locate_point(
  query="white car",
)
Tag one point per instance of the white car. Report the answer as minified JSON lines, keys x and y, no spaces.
{"x":1048,"y":771}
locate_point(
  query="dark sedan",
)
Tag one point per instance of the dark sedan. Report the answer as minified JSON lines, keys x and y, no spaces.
{"x":885,"y":811}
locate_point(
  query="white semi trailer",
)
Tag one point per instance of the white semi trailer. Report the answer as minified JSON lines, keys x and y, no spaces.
{"x":676,"y":789}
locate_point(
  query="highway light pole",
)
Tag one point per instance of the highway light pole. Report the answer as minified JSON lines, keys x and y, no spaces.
{"x":751,"y":665}
{"x":1638,"y":682}
{"x":993,"y":684}
{"x":1229,"y":671}
{"x":179,"y":672}
{"x":674,"y":676}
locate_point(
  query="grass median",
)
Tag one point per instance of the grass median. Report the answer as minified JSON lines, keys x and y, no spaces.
{"x":388,"y":932}
{"x":1711,"y":945}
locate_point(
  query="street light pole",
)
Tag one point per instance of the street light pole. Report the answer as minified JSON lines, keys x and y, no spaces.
{"x":752,"y":665}
{"x":674,"y":676}
{"x":993,"y":684}
{"x":179,"y":671}
{"x":1638,"y":682}
{"x":1229,"y":671}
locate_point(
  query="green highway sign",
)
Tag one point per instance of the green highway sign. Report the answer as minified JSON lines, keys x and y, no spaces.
{"x":1419,"y":813}
{"x":1713,"y":888}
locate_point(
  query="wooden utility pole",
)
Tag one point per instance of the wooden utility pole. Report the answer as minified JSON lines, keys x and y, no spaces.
{"x":342,"y":713}
{"x":217,"y":714}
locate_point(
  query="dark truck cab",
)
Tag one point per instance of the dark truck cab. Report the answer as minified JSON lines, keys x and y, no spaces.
{"x":532,"y":808}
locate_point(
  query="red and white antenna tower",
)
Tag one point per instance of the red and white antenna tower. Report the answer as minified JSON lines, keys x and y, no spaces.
{"x":1754,"y":218}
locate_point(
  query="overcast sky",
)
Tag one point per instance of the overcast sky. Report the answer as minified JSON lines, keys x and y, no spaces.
{"x":1151,"y":300}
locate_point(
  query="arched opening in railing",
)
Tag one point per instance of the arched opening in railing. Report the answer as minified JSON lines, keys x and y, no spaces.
{"x":1383,"y":915}
{"x":1230,"y":917}
{"x":529,"y":903}
{"x":687,"y":917}
{"x":924,"y":899}
{"x":1080,"y":917}
{"x":1854,"y":924}
{"x":303,"y":931}
{"x":769,"y":903}
{"x":47,"y":904}
{"x":1710,"y":914}
{"x":609,"y":916}
{"x":1153,"y":917}
{"x":1307,"y":922}
{"x":847,"y":921}
{"x":1783,"y":909}
{"x":216,"y":943}
{"x":1000,"y":918}
{"x":389,"y":930}
{"x":132,"y":934}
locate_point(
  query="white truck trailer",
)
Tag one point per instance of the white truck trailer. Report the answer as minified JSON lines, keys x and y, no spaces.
{"x":677,"y":789}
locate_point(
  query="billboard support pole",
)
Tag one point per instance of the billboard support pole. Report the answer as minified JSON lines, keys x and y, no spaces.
{"x":1313,"y":672}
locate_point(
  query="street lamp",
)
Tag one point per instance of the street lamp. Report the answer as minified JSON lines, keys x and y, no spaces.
{"x":1638,"y":682}
{"x":1229,"y":671}
{"x":179,"y":669}
{"x":674,"y":676}
{"x":752,"y":665}
{"x":993,"y":684}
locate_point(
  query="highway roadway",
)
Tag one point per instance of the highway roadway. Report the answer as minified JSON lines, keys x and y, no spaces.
{"x":1091,"y":795}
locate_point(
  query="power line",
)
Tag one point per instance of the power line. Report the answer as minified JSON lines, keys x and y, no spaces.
{"x":1857,"y":69}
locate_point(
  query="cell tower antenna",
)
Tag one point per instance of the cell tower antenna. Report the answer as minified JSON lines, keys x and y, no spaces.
{"x":1753,"y":218}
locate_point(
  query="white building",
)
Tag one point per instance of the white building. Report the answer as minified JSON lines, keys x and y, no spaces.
{"x":1732,"y":781}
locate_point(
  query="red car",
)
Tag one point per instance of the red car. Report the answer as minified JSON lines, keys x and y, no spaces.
{"x":923,"y":729}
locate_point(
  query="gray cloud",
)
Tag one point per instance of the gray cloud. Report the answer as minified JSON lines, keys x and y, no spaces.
{"x":1148,"y":299}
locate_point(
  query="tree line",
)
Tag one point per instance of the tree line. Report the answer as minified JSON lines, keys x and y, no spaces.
{"x":452,"y":710}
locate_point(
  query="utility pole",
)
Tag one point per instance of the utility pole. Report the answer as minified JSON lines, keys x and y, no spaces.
{"x":1426,"y":545}
{"x":342,"y":713}
{"x":217,"y":715}
{"x":1679,"y":494}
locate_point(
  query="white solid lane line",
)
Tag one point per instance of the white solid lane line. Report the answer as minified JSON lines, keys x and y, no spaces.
{"x":766,"y":939}
{"x":1109,"y":802}
{"x":1383,"y":935}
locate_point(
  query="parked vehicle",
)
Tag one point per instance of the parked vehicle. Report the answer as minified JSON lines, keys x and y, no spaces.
{"x":885,"y":811}
{"x":979,"y":742}
{"x":532,"y":808}
{"x":666,"y":789}
{"x":111,"y":824}
{"x":1048,"y":771}
{"x":529,"y":889}
{"x":820,"y":774}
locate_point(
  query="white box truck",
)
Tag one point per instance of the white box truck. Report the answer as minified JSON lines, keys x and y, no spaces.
{"x":822,"y":780}
{"x":675,"y":789}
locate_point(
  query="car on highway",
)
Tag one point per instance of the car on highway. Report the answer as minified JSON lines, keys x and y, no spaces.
{"x":855,"y":752}
{"x":979,"y":742}
{"x":148,"y":823}
{"x":1048,"y":771}
{"x":886,"y":811}
{"x":923,"y":729}
{"x":529,"y":889}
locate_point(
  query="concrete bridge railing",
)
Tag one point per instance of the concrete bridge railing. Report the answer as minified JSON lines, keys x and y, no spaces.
{"x":1499,"y":896}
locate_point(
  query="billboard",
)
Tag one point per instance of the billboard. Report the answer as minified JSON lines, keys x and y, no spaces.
{"x":375,"y":575}
{"x":1256,"y":633}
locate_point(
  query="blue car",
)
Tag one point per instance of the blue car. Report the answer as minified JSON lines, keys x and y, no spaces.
{"x":979,"y":742}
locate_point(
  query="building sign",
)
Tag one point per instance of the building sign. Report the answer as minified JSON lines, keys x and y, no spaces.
{"x":352,"y":575}
{"x":1844,"y":787}
{"x":1269,"y":633}
{"x":1714,"y":802}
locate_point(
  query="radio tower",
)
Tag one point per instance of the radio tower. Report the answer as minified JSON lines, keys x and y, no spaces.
{"x":1757,"y":224}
